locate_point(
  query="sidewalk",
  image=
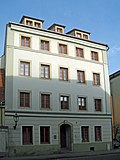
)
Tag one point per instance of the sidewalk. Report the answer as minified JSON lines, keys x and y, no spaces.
{"x":61,"y":155}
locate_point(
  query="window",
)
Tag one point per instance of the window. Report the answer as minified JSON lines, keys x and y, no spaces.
{"x":98,"y":133}
{"x":85,"y":36}
{"x":79,"y":52}
{"x":45,"y":71}
{"x":24,"y":68}
{"x":44,"y":135}
{"x":45,"y":45}
{"x":63,"y":48}
{"x":64,"y":100}
{"x":27,"y":135}
{"x":24,"y":99}
{"x":63,"y":74}
{"x":82,"y":103}
{"x":81,"y":76}
{"x":45,"y":101}
{"x":94,"y":55}
{"x":98,"y":104}
{"x":78,"y":35}
{"x":96,"y":79}
{"x":59,"y":30}
{"x":37,"y":25}
{"x":29,"y":23}
{"x":25,"y":41}
{"x":85,"y":133}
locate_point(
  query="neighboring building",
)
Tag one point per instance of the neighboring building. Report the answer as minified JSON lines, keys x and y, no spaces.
{"x":58,"y":84}
{"x":115,"y":94}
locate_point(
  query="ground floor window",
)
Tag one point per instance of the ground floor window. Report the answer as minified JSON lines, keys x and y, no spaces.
{"x":27,"y":135}
{"x":85,"y":133}
{"x":45,"y":135}
{"x":98,"y":133}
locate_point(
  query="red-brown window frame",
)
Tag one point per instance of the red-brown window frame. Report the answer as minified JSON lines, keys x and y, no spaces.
{"x":45,"y":101}
{"x":81,"y":76}
{"x":44,"y":66}
{"x":85,"y":133}
{"x":27,"y":135}
{"x":96,"y":79}
{"x":63,"y":49}
{"x":98,"y":136}
{"x":45,"y":45}
{"x":79,"y":52}
{"x":37,"y":24}
{"x":24,"y":68}
{"x":64,"y":74}
{"x":24,"y":42}
{"x":98,"y":104}
{"x":94,"y":55}
{"x":23,"y":99}
{"x":45,"y":136}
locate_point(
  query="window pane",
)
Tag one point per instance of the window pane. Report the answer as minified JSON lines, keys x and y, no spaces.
{"x":27,"y":135}
{"x":45,"y":135}
{"x":85,"y":134}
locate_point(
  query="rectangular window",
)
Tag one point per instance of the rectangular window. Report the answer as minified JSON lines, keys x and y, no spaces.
{"x":27,"y":135}
{"x":25,"y":41}
{"x":64,"y":100}
{"x":44,"y":135}
{"x":94,"y":55}
{"x":63,"y":74}
{"x":82,"y":103}
{"x":79,"y":52}
{"x":45,"y":101}
{"x":29,"y":23}
{"x":45,"y":71}
{"x":24,"y":99}
{"x":59,"y":30}
{"x":96,"y":79}
{"x":45,"y":45}
{"x":78,"y":35}
{"x":63,"y":48}
{"x":85,"y":36}
{"x":98,"y":133}
{"x":81,"y":76}
{"x":24,"y":68}
{"x":37,"y":25}
{"x":85,"y":133}
{"x":98,"y":104}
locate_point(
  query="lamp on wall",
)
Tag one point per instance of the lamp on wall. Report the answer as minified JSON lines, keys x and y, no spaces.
{"x":16,"y":119}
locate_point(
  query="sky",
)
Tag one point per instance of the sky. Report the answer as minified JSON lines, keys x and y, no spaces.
{"x":99,"y":17}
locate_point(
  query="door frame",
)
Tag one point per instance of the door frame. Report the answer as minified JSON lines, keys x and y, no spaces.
{"x":65,"y":122}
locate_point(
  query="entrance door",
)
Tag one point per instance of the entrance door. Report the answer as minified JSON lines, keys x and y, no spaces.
{"x":65,"y":136}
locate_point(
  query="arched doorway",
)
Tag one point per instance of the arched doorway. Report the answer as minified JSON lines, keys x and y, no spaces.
{"x":65,"y":136}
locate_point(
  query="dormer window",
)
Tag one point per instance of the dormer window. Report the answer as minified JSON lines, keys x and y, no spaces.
{"x":59,"y":30}
{"x":79,"y":35}
{"x":85,"y":36}
{"x":29,"y":23}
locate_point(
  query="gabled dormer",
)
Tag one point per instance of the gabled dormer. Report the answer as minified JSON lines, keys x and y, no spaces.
{"x":57,"y":28}
{"x":79,"y":33}
{"x":33,"y":22}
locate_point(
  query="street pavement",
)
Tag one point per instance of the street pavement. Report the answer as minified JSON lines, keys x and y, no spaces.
{"x":91,"y":155}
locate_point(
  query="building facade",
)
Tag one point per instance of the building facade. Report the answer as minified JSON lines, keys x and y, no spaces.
{"x":58,"y":84}
{"x":115,"y":96}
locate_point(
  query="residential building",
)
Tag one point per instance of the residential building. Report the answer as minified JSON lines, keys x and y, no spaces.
{"x":58,"y":85}
{"x":115,"y":101}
